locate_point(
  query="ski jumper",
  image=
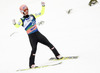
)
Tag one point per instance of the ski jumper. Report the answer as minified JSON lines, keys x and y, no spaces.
{"x":29,"y":23}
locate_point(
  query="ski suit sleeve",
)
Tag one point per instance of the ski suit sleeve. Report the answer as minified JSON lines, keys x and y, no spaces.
{"x":19,"y":24}
{"x":41,"y":13}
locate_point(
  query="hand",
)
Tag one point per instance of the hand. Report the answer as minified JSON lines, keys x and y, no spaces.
{"x":43,"y":3}
{"x":13,"y":21}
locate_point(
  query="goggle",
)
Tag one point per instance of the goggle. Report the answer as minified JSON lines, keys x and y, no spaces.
{"x":22,"y":11}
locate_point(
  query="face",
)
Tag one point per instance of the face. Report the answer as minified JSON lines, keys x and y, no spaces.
{"x":25,"y":12}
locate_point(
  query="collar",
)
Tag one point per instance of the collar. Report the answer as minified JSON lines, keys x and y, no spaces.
{"x":26,"y":16}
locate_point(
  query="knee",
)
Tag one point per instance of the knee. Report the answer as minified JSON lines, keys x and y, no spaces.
{"x":33,"y":54}
{"x":52,"y":48}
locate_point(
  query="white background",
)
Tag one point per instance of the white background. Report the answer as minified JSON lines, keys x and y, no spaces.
{"x":77,"y":33}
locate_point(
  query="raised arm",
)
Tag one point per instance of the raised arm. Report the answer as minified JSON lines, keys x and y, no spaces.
{"x":42,"y":10}
{"x":17,"y":25}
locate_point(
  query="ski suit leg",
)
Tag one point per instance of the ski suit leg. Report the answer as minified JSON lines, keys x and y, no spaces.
{"x":33,"y":42}
{"x":42,"y":39}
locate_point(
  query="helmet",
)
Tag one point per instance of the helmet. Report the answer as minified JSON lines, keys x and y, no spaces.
{"x":23,"y":8}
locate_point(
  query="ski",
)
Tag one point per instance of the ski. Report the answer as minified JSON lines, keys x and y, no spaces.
{"x":43,"y":66}
{"x":63,"y":58}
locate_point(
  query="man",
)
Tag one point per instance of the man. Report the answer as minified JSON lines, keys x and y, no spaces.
{"x":29,"y":23}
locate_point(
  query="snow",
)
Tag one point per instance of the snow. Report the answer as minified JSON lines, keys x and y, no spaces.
{"x":74,"y":34}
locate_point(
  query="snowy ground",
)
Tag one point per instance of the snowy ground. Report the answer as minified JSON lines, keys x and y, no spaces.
{"x":77,"y":33}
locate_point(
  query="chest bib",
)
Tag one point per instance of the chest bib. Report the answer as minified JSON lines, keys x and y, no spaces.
{"x":30,"y":24}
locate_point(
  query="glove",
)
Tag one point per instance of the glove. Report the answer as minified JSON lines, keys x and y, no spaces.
{"x":13,"y":21}
{"x":43,"y":3}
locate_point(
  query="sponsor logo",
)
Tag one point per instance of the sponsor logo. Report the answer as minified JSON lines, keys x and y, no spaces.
{"x":19,"y":23}
{"x":33,"y":28}
{"x":38,"y":14}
